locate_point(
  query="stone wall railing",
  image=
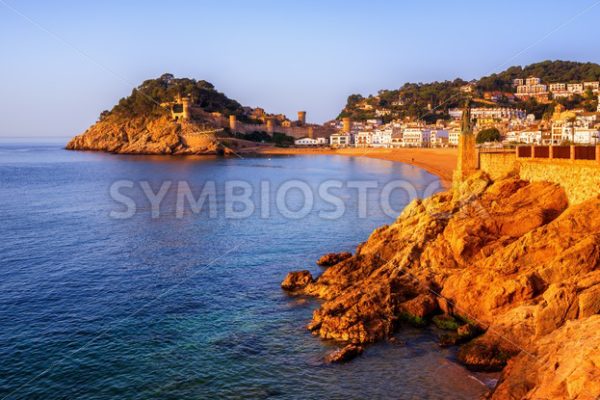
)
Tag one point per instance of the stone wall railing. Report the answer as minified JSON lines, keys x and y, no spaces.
{"x":585,"y":154}
{"x":575,"y":168}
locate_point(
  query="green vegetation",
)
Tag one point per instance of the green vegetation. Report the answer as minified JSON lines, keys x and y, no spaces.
{"x":489,"y":135}
{"x":413,"y":320}
{"x":446,"y":322}
{"x":427,"y":101}
{"x":145,"y":100}
{"x":548,"y":71}
{"x":431,"y":101}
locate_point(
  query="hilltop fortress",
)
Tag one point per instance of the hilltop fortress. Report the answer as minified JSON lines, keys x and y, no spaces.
{"x":185,"y":109}
{"x":185,"y":116}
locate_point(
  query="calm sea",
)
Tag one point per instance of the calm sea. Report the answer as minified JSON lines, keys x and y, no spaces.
{"x":186,"y":306}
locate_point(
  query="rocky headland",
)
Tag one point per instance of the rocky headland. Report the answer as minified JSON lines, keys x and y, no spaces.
{"x":508,"y":268}
{"x":140,"y":135}
{"x":171,"y":116}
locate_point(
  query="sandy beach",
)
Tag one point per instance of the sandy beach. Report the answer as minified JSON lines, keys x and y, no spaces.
{"x":439,"y":161}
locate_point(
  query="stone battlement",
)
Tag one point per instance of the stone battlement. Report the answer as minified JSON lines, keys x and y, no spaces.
{"x":575,"y":168}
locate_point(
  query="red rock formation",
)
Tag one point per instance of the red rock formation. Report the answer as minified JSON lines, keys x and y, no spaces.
{"x":330,"y":259}
{"x":144,"y":136}
{"x":509,"y":257}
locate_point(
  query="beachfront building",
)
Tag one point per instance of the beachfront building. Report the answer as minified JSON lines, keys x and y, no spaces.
{"x":438,"y":138}
{"x":340,"y":140}
{"x":382,"y":137}
{"x":363,"y":139}
{"x":397,"y":139}
{"x":416,"y":137}
{"x":453,"y":136}
{"x":306,"y":141}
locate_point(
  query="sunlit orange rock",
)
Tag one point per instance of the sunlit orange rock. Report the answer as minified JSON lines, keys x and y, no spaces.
{"x":510,"y":257}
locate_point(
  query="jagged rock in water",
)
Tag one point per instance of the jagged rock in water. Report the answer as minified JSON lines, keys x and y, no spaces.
{"x":297,"y":280}
{"x":511,"y":257}
{"x":330,"y":259}
{"x":344,"y":354}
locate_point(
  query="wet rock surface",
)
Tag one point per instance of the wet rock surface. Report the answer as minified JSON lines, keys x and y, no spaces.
{"x":344,"y":354}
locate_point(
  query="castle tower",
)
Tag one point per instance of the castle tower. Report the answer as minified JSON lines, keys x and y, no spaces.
{"x":467,"y":151}
{"x":232,"y":123}
{"x":310,"y":132}
{"x":301,"y":118}
{"x":269,"y":125}
{"x":347,"y":125}
{"x":186,"y":108}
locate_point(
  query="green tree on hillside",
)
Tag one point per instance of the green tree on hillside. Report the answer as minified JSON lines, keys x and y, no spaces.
{"x":489,"y":135}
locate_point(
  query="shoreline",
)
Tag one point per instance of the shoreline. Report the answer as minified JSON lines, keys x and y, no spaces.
{"x":439,"y":161}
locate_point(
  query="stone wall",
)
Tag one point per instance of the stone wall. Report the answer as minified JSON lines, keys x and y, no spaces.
{"x":498,"y":165}
{"x":294,"y":131}
{"x":580,"y":179}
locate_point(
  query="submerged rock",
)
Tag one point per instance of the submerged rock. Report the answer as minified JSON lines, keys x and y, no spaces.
{"x":344,"y":354}
{"x":480,"y":355}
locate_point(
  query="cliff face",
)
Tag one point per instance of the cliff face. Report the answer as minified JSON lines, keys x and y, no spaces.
{"x":145,"y":136}
{"x":508,"y":259}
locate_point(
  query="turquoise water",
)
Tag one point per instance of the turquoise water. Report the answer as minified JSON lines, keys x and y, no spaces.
{"x":94,"y":307}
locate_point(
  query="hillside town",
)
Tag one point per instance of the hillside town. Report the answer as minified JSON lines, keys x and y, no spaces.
{"x":514,"y":125}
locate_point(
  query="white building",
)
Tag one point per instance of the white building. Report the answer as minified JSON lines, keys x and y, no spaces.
{"x":374,"y":122}
{"x":306,"y":141}
{"x":527,"y":136}
{"x":340,"y":140}
{"x":594,"y":86}
{"x":586,"y":136}
{"x":363,"y":139}
{"x":416,"y":137}
{"x":453,"y":137}
{"x":575,"y":88}
{"x":322,"y":141}
{"x":439,"y":138}
{"x":397,"y":139}
{"x":455,"y":113}
{"x":499,"y":113}
{"x":382,"y":137}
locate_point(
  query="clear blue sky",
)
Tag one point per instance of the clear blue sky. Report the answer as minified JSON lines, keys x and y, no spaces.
{"x":82,"y":56}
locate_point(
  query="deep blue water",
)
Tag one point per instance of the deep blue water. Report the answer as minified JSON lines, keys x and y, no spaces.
{"x":94,"y":307}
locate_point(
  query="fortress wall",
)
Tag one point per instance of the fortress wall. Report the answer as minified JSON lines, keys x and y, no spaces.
{"x":294,"y":131}
{"x":498,"y":165}
{"x":580,"y":179}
